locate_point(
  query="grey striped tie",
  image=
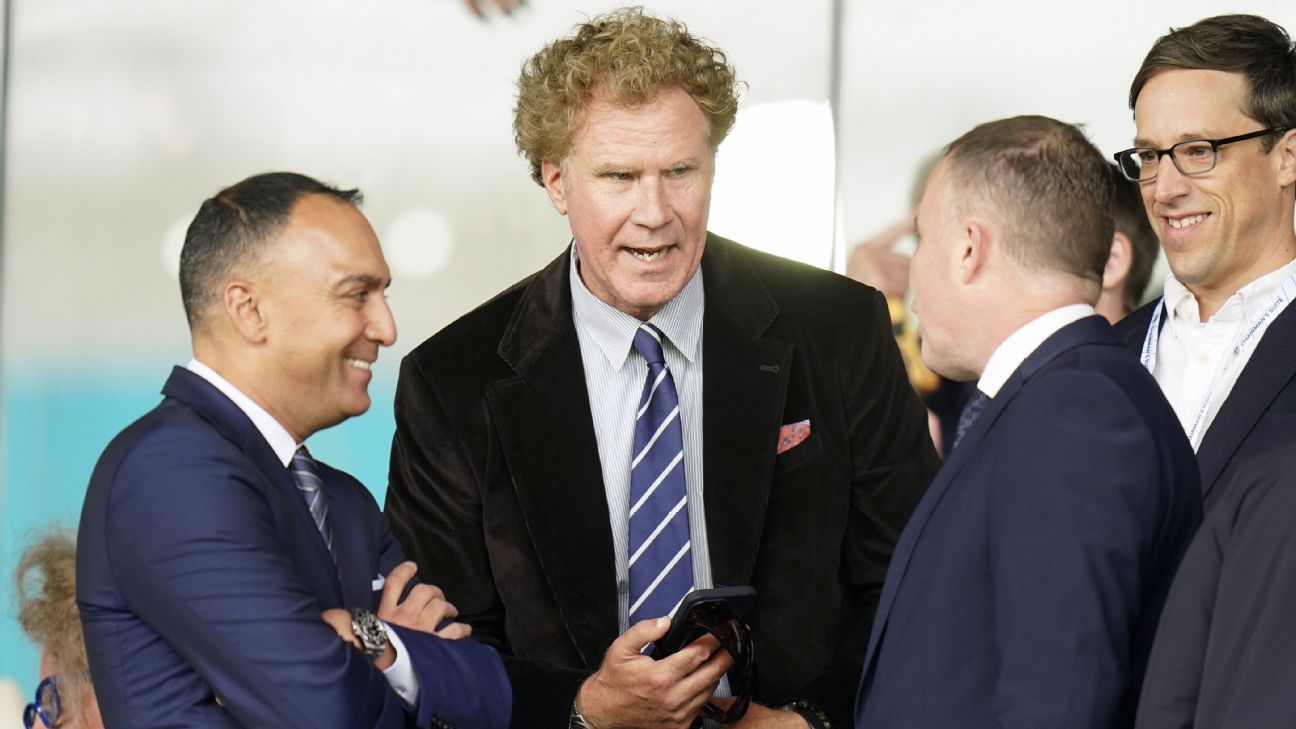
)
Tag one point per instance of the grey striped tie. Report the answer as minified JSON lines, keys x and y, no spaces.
{"x":312,"y":489}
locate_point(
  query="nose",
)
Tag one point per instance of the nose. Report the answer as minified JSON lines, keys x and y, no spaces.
{"x":1170,"y":183}
{"x":382,"y":325}
{"x":651,"y":209}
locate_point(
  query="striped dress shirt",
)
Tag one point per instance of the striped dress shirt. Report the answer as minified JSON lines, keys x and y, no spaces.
{"x":614,"y":376}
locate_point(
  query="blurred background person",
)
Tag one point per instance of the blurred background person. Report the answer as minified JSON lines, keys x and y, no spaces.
{"x":47,"y":612}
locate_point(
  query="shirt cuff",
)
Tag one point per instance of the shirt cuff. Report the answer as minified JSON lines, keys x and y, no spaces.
{"x":400,"y":674}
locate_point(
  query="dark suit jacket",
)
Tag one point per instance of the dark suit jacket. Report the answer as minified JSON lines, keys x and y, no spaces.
{"x":1025,"y":590}
{"x":1259,"y":415}
{"x":200,"y":574}
{"x":1225,"y":652}
{"x":497,"y":490}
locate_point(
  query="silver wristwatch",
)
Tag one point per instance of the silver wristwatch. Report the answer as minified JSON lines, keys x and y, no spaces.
{"x":371,"y":632}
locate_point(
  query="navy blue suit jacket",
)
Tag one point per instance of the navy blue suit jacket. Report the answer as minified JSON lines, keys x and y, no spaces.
{"x":1025,"y":590}
{"x":1258,"y":418}
{"x":200,"y":574}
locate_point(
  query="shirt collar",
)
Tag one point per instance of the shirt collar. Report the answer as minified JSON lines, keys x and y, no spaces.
{"x":613,"y":331}
{"x":1182,"y":305}
{"x":1019,"y":345}
{"x":280,"y":440}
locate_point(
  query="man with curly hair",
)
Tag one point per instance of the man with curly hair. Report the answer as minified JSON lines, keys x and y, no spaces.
{"x":657,"y":410}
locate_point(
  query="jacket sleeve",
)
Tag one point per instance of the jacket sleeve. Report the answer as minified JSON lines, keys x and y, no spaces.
{"x":194,"y":551}
{"x":435,"y":511}
{"x":461,"y":682}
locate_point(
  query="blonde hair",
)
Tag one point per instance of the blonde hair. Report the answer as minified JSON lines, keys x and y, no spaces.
{"x":47,"y":612}
{"x":630,"y":56}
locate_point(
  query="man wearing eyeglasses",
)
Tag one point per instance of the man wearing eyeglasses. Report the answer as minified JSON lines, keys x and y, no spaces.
{"x":1215,"y":110}
{"x":1215,"y":154}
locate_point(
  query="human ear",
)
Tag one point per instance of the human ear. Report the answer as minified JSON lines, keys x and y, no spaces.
{"x":1119,"y":260}
{"x":974,"y":251}
{"x":1286,"y":149}
{"x":242,"y":306}
{"x":552,"y":174}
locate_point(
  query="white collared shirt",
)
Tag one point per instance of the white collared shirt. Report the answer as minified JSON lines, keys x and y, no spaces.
{"x":400,"y":674}
{"x":614,"y":378}
{"x":1195,"y":358}
{"x":1019,"y":345}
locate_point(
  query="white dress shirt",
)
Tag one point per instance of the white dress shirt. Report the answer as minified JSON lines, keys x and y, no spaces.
{"x":1195,"y":362}
{"x":1019,"y":345}
{"x":400,"y":674}
{"x":614,"y":377}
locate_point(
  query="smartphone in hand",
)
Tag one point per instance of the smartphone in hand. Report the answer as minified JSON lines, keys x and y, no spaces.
{"x":700,"y":610}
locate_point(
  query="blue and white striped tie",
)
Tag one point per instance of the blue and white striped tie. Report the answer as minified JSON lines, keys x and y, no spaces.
{"x":661,"y":567}
{"x":312,"y":489}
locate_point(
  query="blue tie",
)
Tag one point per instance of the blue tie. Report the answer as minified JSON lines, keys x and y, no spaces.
{"x":661,"y":568}
{"x":970,"y":412}
{"x":312,"y":489}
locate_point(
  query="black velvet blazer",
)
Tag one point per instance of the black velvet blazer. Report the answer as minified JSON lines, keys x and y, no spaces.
{"x":497,"y":492}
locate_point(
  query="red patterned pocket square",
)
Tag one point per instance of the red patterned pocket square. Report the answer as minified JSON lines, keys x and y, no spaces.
{"x":791,"y":435}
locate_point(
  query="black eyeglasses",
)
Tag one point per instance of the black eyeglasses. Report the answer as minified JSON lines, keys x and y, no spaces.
{"x":1193,"y":157}
{"x":47,"y":705}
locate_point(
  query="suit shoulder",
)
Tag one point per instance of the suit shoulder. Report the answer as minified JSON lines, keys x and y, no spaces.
{"x":170,"y":432}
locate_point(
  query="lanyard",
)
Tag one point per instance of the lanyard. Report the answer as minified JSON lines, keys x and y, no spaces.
{"x":1245,"y":335}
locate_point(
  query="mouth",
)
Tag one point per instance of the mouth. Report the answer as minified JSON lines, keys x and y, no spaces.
{"x":649,"y":255}
{"x":1185,"y":222}
{"x":357,"y":363}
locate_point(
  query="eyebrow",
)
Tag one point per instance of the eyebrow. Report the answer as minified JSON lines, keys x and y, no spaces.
{"x":1185,"y":137}
{"x":612,"y":167}
{"x":364,"y":279}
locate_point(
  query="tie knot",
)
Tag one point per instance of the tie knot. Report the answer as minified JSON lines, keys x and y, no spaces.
{"x":302,"y":463}
{"x":647,"y":342}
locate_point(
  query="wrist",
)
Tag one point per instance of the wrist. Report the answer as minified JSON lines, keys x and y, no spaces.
{"x":578,"y":719}
{"x":388,"y":657}
{"x":814,"y":717}
{"x":372,"y":634}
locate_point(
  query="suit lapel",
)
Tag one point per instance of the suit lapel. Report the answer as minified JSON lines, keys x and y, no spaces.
{"x":547,"y":435}
{"x":235,"y":426}
{"x":355,"y":571}
{"x":1092,"y":329}
{"x":745,"y":381}
{"x":1271,"y":367}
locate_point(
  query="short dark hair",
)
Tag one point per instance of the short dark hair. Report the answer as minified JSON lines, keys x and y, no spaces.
{"x":1257,"y":48}
{"x":1130,"y":217}
{"x":233,"y":226}
{"x":1050,"y":187}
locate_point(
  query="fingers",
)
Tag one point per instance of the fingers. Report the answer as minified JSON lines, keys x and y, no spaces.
{"x":631,"y":642}
{"x":394,"y":587}
{"x":455,"y":631}
{"x":340,"y":621}
{"x":700,"y":664}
